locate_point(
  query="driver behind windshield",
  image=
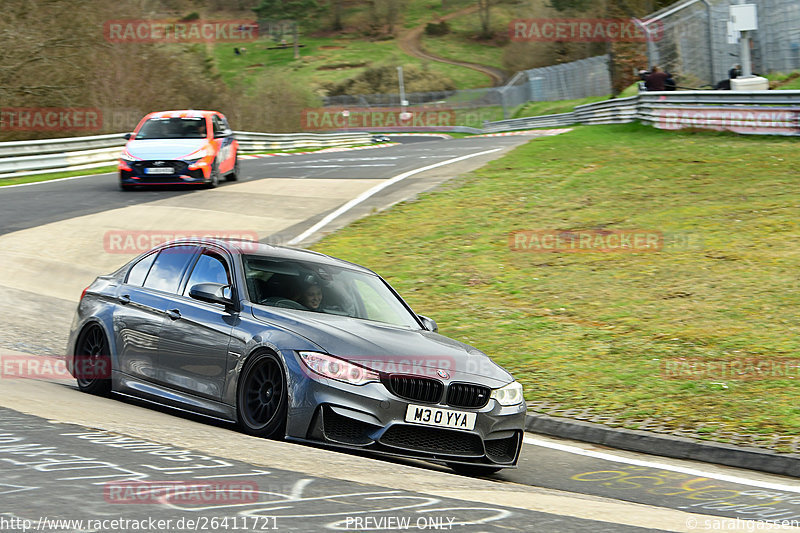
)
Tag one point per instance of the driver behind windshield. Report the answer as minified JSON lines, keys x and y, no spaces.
{"x":311,"y":297}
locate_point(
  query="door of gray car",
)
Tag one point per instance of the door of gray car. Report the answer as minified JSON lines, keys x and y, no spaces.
{"x":193,"y":343}
{"x":141,"y":302}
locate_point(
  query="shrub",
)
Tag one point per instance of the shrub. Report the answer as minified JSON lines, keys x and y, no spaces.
{"x":440,"y":28}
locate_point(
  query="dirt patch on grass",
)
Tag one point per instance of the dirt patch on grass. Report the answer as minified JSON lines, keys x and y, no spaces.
{"x":338,"y":66}
{"x":777,"y":84}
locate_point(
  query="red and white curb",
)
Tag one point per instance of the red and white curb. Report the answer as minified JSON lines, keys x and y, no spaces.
{"x":323,"y":151}
{"x":539,"y":133}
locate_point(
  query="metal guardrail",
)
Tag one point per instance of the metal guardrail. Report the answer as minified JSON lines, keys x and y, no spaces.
{"x":544,"y":121}
{"x":617,"y":111}
{"x":752,"y":112}
{"x":256,"y":142}
{"x":25,"y":158}
{"x":58,"y":146}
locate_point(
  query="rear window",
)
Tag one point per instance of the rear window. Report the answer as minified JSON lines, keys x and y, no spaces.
{"x":138,"y":272}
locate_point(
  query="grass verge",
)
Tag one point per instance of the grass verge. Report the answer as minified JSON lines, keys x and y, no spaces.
{"x":594,"y":331}
{"x":57,"y":175}
{"x":327,"y":60}
{"x":535,"y":109}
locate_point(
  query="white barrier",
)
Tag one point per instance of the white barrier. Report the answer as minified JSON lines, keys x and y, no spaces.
{"x":79,"y":153}
{"x":754,"y":112}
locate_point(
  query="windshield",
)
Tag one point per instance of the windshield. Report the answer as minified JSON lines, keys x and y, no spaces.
{"x":307,"y":286}
{"x":173,"y":128}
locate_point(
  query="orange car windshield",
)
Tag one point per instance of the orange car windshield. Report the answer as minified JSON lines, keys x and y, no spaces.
{"x":173,"y":128}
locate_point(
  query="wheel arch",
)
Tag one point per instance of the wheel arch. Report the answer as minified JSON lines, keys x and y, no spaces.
{"x":77,"y":337}
{"x":266,"y":349}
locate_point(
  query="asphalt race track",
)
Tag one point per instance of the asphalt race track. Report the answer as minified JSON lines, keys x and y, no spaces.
{"x":62,"y":452}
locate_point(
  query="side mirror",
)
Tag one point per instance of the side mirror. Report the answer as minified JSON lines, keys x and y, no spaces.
{"x":429,"y":323}
{"x":223,"y":134}
{"x":127,"y":136}
{"x":215,"y":293}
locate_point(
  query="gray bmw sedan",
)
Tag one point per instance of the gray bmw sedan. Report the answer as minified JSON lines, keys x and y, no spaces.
{"x":294,"y":344}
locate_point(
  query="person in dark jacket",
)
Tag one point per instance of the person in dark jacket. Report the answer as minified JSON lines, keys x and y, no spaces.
{"x":656,"y":81}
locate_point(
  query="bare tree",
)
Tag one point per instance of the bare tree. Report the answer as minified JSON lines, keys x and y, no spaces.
{"x":485,"y":14}
{"x":336,"y":10}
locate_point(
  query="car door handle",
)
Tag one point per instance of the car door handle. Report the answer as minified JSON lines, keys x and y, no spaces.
{"x":174,"y":314}
{"x":125,"y":299}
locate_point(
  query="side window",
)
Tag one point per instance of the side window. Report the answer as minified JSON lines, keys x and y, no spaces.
{"x":165,"y":274}
{"x":139,"y":271}
{"x":210,"y":268}
{"x":218,"y":128}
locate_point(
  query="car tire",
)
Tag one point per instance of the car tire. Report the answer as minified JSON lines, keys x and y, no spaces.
{"x":473,"y":470}
{"x":92,"y":360}
{"x":126,"y":187}
{"x":262,"y":399}
{"x":214,"y":177}
{"x":234,"y":174}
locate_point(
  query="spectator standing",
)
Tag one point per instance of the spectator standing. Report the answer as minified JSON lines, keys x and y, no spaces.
{"x":656,"y":80}
{"x":733,"y":73}
{"x":670,"y":84}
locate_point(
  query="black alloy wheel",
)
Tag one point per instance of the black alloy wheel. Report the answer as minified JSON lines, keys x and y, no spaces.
{"x":92,"y":361}
{"x":262,"y":397}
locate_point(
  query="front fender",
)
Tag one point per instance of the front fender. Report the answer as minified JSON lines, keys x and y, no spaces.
{"x":249,"y":337}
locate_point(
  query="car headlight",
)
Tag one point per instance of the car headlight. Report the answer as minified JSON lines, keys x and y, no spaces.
{"x":127,"y":156}
{"x":511,"y":394}
{"x":338,"y":369}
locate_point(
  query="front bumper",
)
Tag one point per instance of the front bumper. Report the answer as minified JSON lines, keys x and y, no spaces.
{"x":134,"y":173}
{"x":370,"y":417}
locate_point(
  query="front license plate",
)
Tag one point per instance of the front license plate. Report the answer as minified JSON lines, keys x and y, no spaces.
{"x":443,"y":418}
{"x":159,"y":170}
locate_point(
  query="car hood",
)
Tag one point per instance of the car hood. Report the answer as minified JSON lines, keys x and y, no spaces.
{"x":388,"y":348}
{"x":149,"y":149}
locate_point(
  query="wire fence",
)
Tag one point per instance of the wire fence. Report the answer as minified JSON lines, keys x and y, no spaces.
{"x":690,"y":39}
{"x":570,"y":81}
{"x":578,"y":79}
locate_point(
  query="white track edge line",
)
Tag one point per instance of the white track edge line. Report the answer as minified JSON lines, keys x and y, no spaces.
{"x":366,"y":194}
{"x":661,"y":466}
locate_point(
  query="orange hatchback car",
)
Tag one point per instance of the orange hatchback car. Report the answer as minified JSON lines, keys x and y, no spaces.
{"x":179,"y":148}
